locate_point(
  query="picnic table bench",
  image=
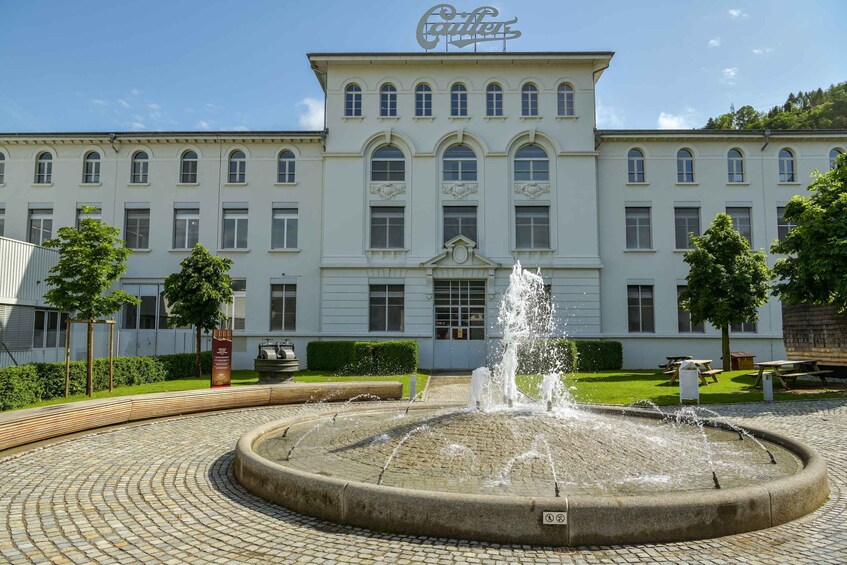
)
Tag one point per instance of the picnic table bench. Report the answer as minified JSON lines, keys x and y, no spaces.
{"x":790,"y":369}
{"x":704,"y":368}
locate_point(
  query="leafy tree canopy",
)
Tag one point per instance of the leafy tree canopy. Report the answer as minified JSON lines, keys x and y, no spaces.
{"x":816,"y":269}
{"x":197,"y":291}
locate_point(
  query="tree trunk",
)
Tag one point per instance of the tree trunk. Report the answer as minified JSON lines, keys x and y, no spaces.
{"x":198,"y":369}
{"x":89,"y":360}
{"x":727,"y":361}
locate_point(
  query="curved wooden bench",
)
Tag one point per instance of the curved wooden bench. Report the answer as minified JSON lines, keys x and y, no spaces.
{"x":20,"y":427}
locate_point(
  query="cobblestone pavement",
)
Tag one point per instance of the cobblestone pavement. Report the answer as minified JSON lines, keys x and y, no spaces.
{"x":448,"y":388}
{"x":163,"y":492}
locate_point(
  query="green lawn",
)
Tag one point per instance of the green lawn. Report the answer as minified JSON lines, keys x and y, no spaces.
{"x":626,"y":387}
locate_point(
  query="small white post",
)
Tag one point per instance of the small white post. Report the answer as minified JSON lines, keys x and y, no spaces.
{"x":767,"y":387}
{"x":413,"y":381}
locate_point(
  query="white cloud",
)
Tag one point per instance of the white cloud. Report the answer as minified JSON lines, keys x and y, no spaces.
{"x":138,"y":125}
{"x":135,"y":92}
{"x":311,"y":114}
{"x":716,"y":42}
{"x":728,"y":75}
{"x":737,"y":14}
{"x":124,"y":103}
{"x":204,"y":125}
{"x":153,"y":106}
{"x":99,"y":102}
{"x":676,"y":121}
{"x":213,"y":107}
{"x":240,"y":128}
{"x":608,"y":117}
{"x":762,"y":51}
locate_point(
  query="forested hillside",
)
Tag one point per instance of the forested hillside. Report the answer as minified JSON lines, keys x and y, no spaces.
{"x":818,"y":109}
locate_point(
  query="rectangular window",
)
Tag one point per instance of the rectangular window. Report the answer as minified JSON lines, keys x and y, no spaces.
{"x":387,"y":227}
{"x":40,"y":225}
{"x":2,"y":221}
{"x":284,"y":228}
{"x":386,"y":308}
{"x":532,"y":227}
{"x":742,"y":222}
{"x":746,"y":327}
{"x":783,"y":226}
{"x":140,"y":168}
{"x":44,"y":170}
{"x":458,"y":102}
{"x":640,"y":308}
{"x":94,"y":214}
{"x":188,"y":174}
{"x":234,"y":232}
{"x":494,"y":102}
{"x":137,"y":229}
{"x":687,"y":224}
{"x":283,"y":307}
{"x":423,"y":102}
{"x":638,"y":228}
{"x":237,"y":311}
{"x":459,"y":310}
{"x":186,"y":228}
{"x":683,"y":318}
{"x":460,"y":220}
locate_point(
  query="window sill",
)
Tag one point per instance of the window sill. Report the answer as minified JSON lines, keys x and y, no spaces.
{"x":423,"y":118}
{"x":234,"y":184}
{"x":738,"y":184}
{"x":137,"y":184}
{"x":567,"y":117}
{"x":41,"y":184}
{"x":687,"y":183}
{"x":639,"y":250}
{"x":530,"y":118}
{"x":683,"y":250}
{"x":532,"y":250}
{"x":90,"y":184}
{"x":386,"y":251}
{"x":790,"y":183}
{"x":188,"y":184}
{"x":638,"y":184}
{"x":285,"y":184}
{"x":388,"y":118}
{"x":180,"y":250}
{"x":284,"y":250}
{"x":352,"y":118}
{"x":233,"y":250}
{"x":494,"y":118}
{"x":134,"y":251}
{"x":459,"y":118}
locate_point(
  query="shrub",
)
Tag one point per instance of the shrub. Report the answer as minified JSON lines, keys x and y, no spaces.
{"x":598,"y":355}
{"x":363,"y":357}
{"x":330,"y":355}
{"x":18,"y":386}
{"x":569,"y":355}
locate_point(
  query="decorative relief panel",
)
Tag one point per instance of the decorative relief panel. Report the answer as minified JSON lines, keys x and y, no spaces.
{"x":532,"y":190}
{"x":459,"y":190}
{"x":388,"y":190}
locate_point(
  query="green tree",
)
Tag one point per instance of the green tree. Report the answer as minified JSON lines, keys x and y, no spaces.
{"x":727,"y":282}
{"x":815,"y":270}
{"x":91,"y":258}
{"x":196,"y":292}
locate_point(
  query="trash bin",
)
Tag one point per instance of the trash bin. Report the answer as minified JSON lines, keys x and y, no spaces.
{"x":689,"y":382}
{"x":741,"y":360}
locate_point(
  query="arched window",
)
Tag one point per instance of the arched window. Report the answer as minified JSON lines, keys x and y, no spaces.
{"x":285,"y":167}
{"x":139,"y":167}
{"x":423,"y":100}
{"x":388,"y":100}
{"x":786,"y":166}
{"x":684,"y":166}
{"x":44,"y":168}
{"x":353,"y":100}
{"x":531,"y":164}
{"x":459,"y":163}
{"x":635,"y":165}
{"x":734,"y":166}
{"x":458,"y":100}
{"x":564,"y":96}
{"x":494,"y":100}
{"x":237,"y":167}
{"x":2,"y":168}
{"x":529,"y":100}
{"x":91,"y":168}
{"x":388,"y":164}
{"x":188,"y":168}
{"x":833,"y":156}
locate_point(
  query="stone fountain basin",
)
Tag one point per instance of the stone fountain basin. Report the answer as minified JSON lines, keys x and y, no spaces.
{"x":592,"y":519}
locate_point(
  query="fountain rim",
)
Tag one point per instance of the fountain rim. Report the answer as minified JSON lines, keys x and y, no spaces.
{"x":592,"y":519}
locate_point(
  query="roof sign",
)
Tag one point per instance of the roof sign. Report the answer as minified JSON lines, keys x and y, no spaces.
{"x":461,"y":29}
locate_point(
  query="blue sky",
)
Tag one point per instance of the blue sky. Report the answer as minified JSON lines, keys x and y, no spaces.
{"x":214,"y":65}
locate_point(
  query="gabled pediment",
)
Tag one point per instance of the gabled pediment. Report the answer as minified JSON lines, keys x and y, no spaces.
{"x":460,"y":252}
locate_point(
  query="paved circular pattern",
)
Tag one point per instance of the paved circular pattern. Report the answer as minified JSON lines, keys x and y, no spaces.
{"x":165,"y":492}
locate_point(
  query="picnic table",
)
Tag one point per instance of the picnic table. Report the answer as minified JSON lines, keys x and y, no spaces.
{"x":671,"y":359}
{"x":704,"y":368}
{"x":790,"y":369}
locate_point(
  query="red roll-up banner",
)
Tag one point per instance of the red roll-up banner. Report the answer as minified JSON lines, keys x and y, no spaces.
{"x":221,"y":358}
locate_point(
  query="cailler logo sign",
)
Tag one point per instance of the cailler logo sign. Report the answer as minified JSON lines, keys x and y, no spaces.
{"x":461,"y":29}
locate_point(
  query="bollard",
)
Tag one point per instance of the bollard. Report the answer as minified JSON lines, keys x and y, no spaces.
{"x":767,"y":387}
{"x":413,"y":381}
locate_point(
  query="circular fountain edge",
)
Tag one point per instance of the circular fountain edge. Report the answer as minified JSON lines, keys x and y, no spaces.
{"x":591,"y":520}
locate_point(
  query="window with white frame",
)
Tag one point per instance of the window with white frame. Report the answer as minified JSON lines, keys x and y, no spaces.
{"x":684,"y":166}
{"x":186,"y":227}
{"x":749,"y":327}
{"x":686,"y":226}
{"x":88,"y":212}
{"x":460,"y":220}
{"x":49,"y":328}
{"x":742,"y":221}
{"x":638,"y":227}
{"x":137,"y":228}
{"x":532,"y":164}
{"x":639,"y":299}
{"x":285,"y":167}
{"x":387,"y":227}
{"x":529,"y":100}
{"x":458,"y":100}
{"x":783,"y":226}
{"x":423,"y":101}
{"x":237,"y":167}
{"x":388,"y":164}
{"x":565,"y":100}
{"x":91,"y":168}
{"x":44,"y":168}
{"x":188,"y":168}
{"x":459,"y":163}
{"x":153,"y":312}
{"x":283,"y":307}
{"x":236,"y":311}
{"x":494,"y":100}
{"x":834,"y":154}
{"x":284,"y":228}
{"x":387,"y":306}
{"x":234,"y":228}
{"x":532,"y":227}
{"x":683,"y":318}
{"x":139,"y":168}
{"x":2,"y":168}
{"x":388,"y":100}
{"x":734,"y":166}
{"x":635,"y":165}
{"x":353,"y":100}
{"x":786,"y":166}
{"x":40,"y":225}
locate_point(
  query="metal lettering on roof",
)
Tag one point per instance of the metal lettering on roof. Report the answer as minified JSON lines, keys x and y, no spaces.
{"x":462,"y":29}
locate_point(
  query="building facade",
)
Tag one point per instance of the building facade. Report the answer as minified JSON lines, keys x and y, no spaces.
{"x":436,"y":172}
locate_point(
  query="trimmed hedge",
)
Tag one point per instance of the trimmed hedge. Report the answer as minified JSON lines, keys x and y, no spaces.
{"x":33,"y":382}
{"x":571,"y":355}
{"x":363,"y":357}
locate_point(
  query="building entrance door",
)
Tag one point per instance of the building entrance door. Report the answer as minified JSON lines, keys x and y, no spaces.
{"x":459,"y":324}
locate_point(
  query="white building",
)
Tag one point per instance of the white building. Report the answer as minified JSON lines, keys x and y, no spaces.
{"x":436,"y":173}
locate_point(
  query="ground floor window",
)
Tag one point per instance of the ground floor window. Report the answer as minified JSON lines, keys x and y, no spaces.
{"x":152,"y":313}
{"x":49,"y":329}
{"x":236,"y":312}
{"x":683,"y":318}
{"x":640,"y":308}
{"x":283,"y":307}
{"x":745,"y":327}
{"x":387,"y":308}
{"x":460,"y":310}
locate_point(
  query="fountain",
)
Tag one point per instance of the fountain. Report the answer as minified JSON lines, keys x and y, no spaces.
{"x":508,"y":469}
